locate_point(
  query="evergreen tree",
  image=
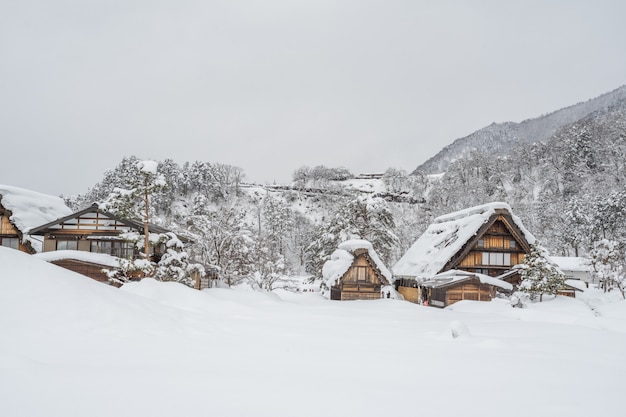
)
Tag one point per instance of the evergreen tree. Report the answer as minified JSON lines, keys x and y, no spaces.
{"x":133,"y":201}
{"x":608,"y":260}
{"x":361,"y":218}
{"x":539,"y":275}
{"x":175,"y":264}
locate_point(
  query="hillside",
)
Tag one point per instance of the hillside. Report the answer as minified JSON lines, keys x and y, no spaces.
{"x":501,"y":138}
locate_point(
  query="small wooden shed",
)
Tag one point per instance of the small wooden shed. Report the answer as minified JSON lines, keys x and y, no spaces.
{"x":355,"y":272}
{"x":452,"y":286}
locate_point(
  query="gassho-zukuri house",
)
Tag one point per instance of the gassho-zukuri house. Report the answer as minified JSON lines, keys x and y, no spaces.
{"x":477,"y":245}
{"x":355,"y":272}
{"x":21,"y":210}
{"x":91,"y":239}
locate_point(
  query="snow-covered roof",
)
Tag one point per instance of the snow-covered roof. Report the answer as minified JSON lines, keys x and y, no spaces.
{"x":453,"y":276}
{"x":572,"y":263}
{"x":79,"y":255}
{"x":342,"y":258}
{"x":576,"y":284}
{"x":30,"y":209}
{"x":446,"y":237}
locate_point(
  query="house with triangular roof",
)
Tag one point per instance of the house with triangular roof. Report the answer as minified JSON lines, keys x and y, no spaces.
{"x":21,"y":210}
{"x":355,"y":272}
{"x":487,"y":239}
{"x":92,"y":239}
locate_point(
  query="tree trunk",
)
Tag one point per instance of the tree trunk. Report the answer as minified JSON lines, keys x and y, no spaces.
{"x":145,"y":221}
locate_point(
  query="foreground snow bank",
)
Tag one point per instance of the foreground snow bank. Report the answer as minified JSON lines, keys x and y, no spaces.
{"x":75,"y":347}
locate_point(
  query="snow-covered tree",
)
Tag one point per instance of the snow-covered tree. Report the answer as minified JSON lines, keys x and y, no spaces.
{"x":224,"y":239}
{"x":539,"y":275}
{"x":129,"y":269}
{"x":133,"y":201}
{"x":361,"y":218}
{"x":269,"y":267}
{"x":608,"y":260}
{"x":175,"y":264}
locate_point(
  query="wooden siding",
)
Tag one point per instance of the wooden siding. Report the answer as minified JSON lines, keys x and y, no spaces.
{"x":360,"y":282}
{"x":469,"y":291}
{"x":410,"y":294}
{"x":90,"y":270}
{"x":6,"y":227}
{"x":346,"y":296}
{"x":361,"y":272}
{"x":497,"y":239}
{"x":88,"y":223}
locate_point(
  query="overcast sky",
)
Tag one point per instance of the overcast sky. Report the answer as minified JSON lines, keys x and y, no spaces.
{"x":270,"y":85}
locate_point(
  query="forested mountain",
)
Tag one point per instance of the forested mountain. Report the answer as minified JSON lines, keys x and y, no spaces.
{"x":569,"y":190}
{"x":500,"y":138}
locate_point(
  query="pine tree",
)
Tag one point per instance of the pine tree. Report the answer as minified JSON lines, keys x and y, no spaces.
{"x":175,"y":264}
{"x":133,"y":201}
{"x":539,"y":275}
{"x":361,"y":218}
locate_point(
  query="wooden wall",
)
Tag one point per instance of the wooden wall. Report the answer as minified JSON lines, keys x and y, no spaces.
{"x":6,"y":228}
{"x":470,"y":291}
{"x":92,"y":271}
{"x":360,"y":282}
{"x":361,"y":271}
{"x":496,"y":240}
{"x":410,"y":294}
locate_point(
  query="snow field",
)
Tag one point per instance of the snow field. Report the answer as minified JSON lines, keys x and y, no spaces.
{"x":75,"y":347}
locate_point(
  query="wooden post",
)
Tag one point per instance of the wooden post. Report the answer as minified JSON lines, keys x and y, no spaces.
{"x":145,"y":219}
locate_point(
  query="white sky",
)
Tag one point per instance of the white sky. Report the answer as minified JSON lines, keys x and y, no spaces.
{"x":273,"y":85}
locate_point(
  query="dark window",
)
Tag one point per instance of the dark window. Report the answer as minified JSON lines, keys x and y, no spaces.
{"x":512,"y":244}
{"x":117,"y":248}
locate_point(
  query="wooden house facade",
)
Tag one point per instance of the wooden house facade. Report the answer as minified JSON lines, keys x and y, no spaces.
{"x":11,"y":236}
{"x":487,"y":240}
{"x":355,"y":272}
{"x":93,"y":232}
{"x":20,"y":211}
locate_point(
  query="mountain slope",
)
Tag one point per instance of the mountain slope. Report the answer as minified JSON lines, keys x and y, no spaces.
{"x":499,"y":137}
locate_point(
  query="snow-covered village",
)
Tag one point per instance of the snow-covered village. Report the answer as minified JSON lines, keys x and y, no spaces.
{"x":312,"y":209}
{"x":168,"y":289}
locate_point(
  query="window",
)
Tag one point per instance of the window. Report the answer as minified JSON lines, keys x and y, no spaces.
{"x":114,"y":248}
{"x":10,"y":242}
{"x":481,"y":243}
{"x":512,"y":244}
{"x":496,"y":258}
{"x":67,"y":245}
{"x":361,"y":273}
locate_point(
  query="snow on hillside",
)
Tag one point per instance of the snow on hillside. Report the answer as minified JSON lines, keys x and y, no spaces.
{"x":75,"y":347}
{"x":499,"y":137}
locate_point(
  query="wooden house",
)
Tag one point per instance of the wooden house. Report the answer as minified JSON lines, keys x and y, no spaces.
{"x":355,"y":272}
{"x":20,"y":211}
{"x":452,"y":286}
{"x":92,"y":239}
{"x":487,"y":240}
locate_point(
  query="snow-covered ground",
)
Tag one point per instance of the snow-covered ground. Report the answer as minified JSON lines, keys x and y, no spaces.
{"x":75,"y":347}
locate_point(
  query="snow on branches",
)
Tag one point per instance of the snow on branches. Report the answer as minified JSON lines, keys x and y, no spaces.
{"x":539,"y":275}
